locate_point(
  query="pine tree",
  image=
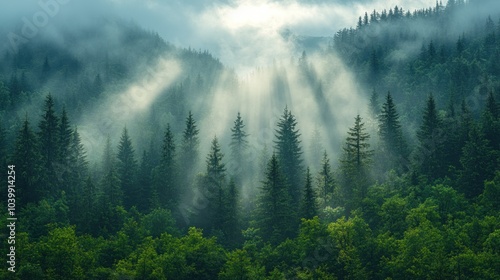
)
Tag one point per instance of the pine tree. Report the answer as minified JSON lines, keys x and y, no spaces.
{"x":238,"y":145}
{"x":287,"y":145}
{"x":166,"y":179}
{"x":374,"y":105}
{"x":316,"y":148}
{"x":189,"y":152}
{"x":231,"y":226}
{"x":325,"y":180}
{"x":144,"y":201}
{"x":430,"y":150}
{"x":65,"y":135}
{"x":490,"y":121}
{"x":394,"y":149}
{"x":27,"y":160}
{"x":110,"y":195}
{"x":355,"y":164}
{"x":215,"y":185}
{"x":127,"y":170}
{"x":308,"y":207}
{"x":76,"y":172}
{"x":49,"y":139}
{"x":3,"y":157}
{"x":274,"y":215}
{"x":478,"y":163}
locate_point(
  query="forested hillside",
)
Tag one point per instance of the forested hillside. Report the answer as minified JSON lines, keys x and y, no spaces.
{"x":405,"y":183}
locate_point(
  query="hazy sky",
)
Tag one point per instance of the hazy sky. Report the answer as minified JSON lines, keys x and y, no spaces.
{"x":242,"y":33}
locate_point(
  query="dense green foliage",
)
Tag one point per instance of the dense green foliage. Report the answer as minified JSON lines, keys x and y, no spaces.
{"x":398,"y":203}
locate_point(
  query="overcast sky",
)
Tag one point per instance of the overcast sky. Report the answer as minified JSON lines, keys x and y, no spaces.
{"x":242,"y":33}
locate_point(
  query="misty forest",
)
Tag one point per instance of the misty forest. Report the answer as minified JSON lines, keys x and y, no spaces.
{"x":373,"y":153}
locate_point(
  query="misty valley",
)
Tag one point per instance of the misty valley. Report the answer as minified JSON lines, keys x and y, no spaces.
{"x":370,"y":153}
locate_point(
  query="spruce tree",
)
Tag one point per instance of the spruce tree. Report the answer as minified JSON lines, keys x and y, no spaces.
{"x":325,"y":180}
{"x":478,"y":163}
{"x":27,"y":160}
{"x":144,"y":180}
{"x":238,"y":145}
{"x":49,"y":139}
{"x":74,"y":177}
{"x":355,"y":163}
{"x":490,"y":121}
{"x":374,"y":105}
{"x":274,"y":216}
{"x":289,"y":153}
{"x":430,"y":151}
{"x":394,"y":150}
{"x":110,"y":195}
{"x":65,"y":135}
{"x":308,"y":207}
{"x":127,"y":170}
{"x":166,"y":177}
{"x":231,"y":226}
{"x":215,"y":185}
{"x":189,"y":153}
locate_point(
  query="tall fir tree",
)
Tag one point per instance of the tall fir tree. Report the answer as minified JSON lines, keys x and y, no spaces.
{"x":49,"y":139}
{"x":355,"y":164}
{"x":289,"y":152}
{"x":189,"y":150}
{"x":64,"y":141}
{"x":27,"y":160}
{"x":394,"y":152}
{"x":490,"y":122}
{"x":166,"y":175}
{"x":231,"y":222}
{"x":325,"y":181}
{"x":215,"y":186}
{"x":238,"y":145}
{"x":478,"y":163}
{"x":127,"y":170}
{"x":145,"y":180}
{"x":110,"y":194}
{"x":308,"y":207}
{"x":430,"y":151}
{"x":274,"y":214}
{"x":374,"y":105}
{"x":74,"y":179}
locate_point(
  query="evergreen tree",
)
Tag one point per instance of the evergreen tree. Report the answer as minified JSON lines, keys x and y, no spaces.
{"x":189,"y":153}
{"x":355,"y":164}
{"x":289,"y":152}
{"x":76,"y":170}
{"x":478,"y":163}
{"x":274,"y":215}
{"x":110,"y":195}
{"x":238,"y":145}
{"x":145,"y":199}
{"x":27,"y":160}
{"x":65,"y":135}
{"x":316,"y":148}
{"x":215,"y":186}
{"x":127,"y":170}
{"x":231,"y":226}
{"x":49,"y":140}
{"x":308,"y":207}
{"x":374,"y":105}
{"x":430,"y":149}
{"x":325,"y":180}
{"x":491,"y":122}
{"x":166,"y":178}
{"x":394,"y":151}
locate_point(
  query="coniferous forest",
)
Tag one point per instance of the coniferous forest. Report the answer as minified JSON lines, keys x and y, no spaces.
{"x":375,"y":156}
